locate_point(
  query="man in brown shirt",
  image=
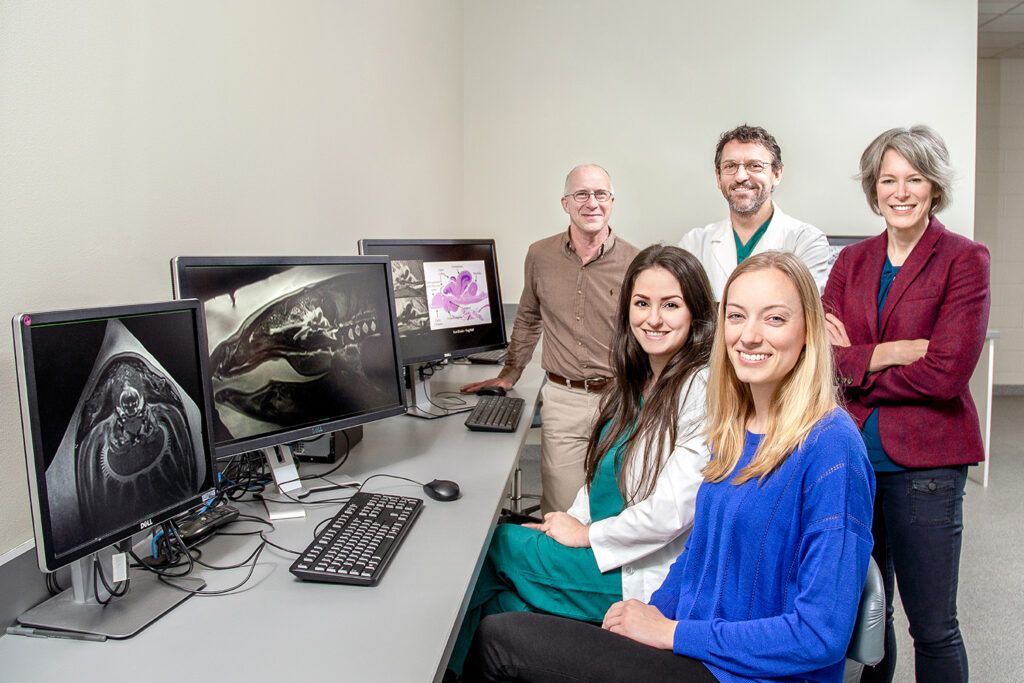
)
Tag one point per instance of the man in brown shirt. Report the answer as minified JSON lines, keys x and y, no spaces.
{"x":570,"y":293}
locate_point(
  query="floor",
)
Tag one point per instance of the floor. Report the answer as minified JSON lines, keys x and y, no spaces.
{"x":991,"y":600}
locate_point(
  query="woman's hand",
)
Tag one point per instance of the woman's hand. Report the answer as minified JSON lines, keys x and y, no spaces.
{"x":640,"y":622}
{"x":902,"y":352}
{"x":565,"y":529}
{"x":836,"y":331}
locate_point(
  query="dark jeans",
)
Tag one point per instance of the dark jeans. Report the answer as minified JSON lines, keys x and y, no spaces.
{"x":918,"y":525}
{"x":524,"y":646}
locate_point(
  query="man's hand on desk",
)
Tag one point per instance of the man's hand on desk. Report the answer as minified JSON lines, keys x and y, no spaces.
{"x":477,"y":386}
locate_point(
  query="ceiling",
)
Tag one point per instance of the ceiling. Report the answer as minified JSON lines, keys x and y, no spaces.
{"x":1001,"y":29}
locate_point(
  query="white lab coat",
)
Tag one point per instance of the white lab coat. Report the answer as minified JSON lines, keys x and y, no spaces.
{"x":715,"y":247}
{"x":645,"y":538}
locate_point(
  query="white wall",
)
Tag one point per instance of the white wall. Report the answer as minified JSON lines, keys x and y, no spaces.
{"x":645,"y":88}
{"x":134,"y":131}
{"x":131,"y":132}
{"x":1000,"y":195}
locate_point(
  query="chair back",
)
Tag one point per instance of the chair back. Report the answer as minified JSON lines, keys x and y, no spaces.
{"x":867,"y":645}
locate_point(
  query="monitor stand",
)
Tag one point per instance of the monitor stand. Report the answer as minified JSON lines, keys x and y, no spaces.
{"x":75,"y":613}
{"x":420,"y":397}
{"x":282,"y":468}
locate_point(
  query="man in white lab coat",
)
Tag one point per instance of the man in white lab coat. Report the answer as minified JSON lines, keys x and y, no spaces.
{"x":748,"y":167}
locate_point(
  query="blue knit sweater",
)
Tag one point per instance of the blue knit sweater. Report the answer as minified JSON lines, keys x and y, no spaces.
{"x":768,"y":586}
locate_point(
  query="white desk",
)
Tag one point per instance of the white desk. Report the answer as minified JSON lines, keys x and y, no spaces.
{"x":283,"y":629}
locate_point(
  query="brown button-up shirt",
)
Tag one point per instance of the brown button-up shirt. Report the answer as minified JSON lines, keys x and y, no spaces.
{"x":572,"y":303}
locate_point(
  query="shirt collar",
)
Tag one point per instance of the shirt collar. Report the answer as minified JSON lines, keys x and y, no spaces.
{"x":606,"y":246}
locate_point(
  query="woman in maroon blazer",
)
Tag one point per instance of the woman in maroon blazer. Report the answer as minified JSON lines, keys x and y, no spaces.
{"x":907,"y":313}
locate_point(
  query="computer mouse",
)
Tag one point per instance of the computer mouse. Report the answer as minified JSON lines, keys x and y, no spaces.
{"x":491,"y":391}
{"x":442,"y":489}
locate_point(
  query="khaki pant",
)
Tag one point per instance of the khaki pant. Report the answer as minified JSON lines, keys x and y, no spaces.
{"x":568,"y":417}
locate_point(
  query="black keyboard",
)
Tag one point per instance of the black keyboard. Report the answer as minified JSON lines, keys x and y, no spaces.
{"x":359,"y":541}
{"x":495,"y":414}
{"x":492,"y":357}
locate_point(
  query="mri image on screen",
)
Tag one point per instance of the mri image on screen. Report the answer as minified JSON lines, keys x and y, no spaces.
{"x":447,"y":296}
{"x":457,"y":292}
{"x":410,"y":297}
{"x":132,"y":446}
{"x":302,"y":344}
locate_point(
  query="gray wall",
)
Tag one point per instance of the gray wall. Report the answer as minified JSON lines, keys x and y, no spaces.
{"x":644,"y":88}
{"x":1000,"y":196}
{"x":131,"y":132}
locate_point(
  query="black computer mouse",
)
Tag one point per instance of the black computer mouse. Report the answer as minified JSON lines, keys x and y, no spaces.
{"x":442,"y":489}
{"x":491,"y":391}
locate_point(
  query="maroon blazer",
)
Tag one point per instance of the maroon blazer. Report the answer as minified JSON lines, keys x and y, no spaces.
{"x":926,"y":415}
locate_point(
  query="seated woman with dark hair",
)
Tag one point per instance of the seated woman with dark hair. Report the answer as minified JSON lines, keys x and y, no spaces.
{"x":769,"y":584}
{"x":643,"y":466}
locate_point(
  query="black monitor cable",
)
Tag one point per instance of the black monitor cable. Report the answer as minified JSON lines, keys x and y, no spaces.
{"x":52,"y":586}
{"x":167,"y":577}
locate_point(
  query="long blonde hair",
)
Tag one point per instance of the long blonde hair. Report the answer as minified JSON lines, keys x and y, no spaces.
{"x":803,"y":397}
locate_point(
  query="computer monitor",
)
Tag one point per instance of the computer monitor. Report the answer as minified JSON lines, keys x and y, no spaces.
{"x":118,"y":438}
{"x":448,"y":304}
{"x":836,"y":243}
{"x":298,"y":347}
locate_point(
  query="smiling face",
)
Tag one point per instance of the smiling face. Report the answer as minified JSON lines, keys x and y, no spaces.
{"x":904,"y":195}
{"x":747,"y":192}
{"x":590,"y":217}
{"x":658,"y":316}
{"x":764,"y":329}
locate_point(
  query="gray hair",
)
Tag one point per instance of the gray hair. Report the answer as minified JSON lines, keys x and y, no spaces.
{"x":923,"y":149}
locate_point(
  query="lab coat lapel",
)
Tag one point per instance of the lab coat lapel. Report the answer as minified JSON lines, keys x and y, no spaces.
{"x":774,"y":238}
{"x":723,"y":246}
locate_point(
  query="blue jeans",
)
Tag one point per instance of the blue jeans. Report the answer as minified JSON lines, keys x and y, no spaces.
{"x":918,"y":525}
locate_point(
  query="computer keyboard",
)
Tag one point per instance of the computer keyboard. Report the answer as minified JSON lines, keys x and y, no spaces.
{"x":359,"y":542}
{"x":492,"y":357}
{"x":495,"y":414}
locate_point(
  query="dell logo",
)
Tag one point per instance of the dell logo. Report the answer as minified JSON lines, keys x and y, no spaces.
{"x":145,"y":525}
{"x":318,"y":430}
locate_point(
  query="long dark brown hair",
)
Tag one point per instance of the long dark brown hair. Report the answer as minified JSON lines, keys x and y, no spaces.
{"x":653,"y":424}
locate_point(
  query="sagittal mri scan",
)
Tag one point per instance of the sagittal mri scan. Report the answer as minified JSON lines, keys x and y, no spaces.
{"x":299,"y":346}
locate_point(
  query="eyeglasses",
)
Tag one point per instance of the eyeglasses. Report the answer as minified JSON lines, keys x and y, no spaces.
{"x":581,"y":196}
{"x":753,"y":166}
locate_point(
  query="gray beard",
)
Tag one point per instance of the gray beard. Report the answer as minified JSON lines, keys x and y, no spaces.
{"x":749,"y":209}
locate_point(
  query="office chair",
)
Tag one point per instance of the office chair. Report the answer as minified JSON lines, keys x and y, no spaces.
{"x":867,"y":645}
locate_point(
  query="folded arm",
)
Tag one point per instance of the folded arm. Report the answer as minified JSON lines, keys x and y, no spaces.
{"x":954,"y":345}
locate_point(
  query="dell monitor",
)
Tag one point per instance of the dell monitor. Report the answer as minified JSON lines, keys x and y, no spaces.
{"x":118,"y":438}
{"x":298,"y":347}
{"x":448,"y":305}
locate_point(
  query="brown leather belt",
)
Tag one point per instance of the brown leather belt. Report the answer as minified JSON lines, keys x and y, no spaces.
{"x":595,"y":384}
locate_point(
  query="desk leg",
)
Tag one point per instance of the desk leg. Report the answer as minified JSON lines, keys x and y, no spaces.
{"x":515,"y":496}
{"x":981,"y":390}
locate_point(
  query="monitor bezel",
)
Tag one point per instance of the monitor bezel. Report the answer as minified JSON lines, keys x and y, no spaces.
{"x":412,"y":242}
{"x":35,"y":468}
{"x":180,"y":263}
